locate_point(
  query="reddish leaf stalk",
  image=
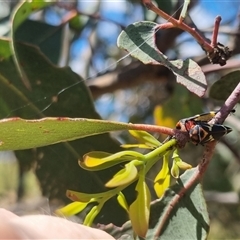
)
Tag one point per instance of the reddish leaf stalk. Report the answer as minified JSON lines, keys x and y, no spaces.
{"x":179,"y":24}
{"x":215,"y":31}
{"x":154,"y":128}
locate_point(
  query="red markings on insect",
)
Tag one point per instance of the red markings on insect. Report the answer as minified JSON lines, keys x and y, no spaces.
{"x":200,"y":132}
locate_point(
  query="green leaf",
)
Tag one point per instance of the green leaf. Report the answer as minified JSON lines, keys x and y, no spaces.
{"x":145,"y":138}
{"x":95,"y":161}
{"x":71,"y":209}
{"x":143,"y":146}
{"x":139,"y":209}
{"x":25,"y":8}
{"x":86,"y":197}
{"x":179,"y":162}
{"x":36,"y":133}
{"x":175,"y":170}
{"x":222,"y":88}
{"x":139,"y":40}
{"x":47,"y":37}
{"x":183,"y":165}
{"x":186,"y":219}
{"x":20,"y":14}
{"x":47,"y":81}
{"x":125,"y":176}
{"x":122,"y":201}
{"x":91,"y":216}
{"x":162,"y":180}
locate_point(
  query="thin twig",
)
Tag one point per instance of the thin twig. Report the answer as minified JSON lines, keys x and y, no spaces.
{"x":179,"y":24}
{"x":154,"y":128}
{"x":218,"y":54}
{"x":215,"y":31}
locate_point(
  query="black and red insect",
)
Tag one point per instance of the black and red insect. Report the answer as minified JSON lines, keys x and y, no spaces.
{"x":200,"y":131}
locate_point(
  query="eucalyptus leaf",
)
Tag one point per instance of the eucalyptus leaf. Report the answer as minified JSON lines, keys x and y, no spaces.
{"x":72,"y":209}
{"x":139,"y":40}
{"x":139,"y":210}
{"x":20,"y":14}
{"x":46,"y":131}
{"x":125,"y":176}
{"x":222,"y":88}
{"x":162,"y":180}
{"x":95,"y":161}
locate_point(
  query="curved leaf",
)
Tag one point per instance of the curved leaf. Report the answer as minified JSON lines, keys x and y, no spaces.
{"x":91,"y":215}
{"x":175,"y":170}
{"x":145,"y":138}
{"x":72,"y":209}
{"x":96,"y":160}
{"x":183,"y":165}
{"x":139,"y":210}
{"x":144,"y":146}
{"x":162,"y":180}
{"x":21,"y":13}
{"x":139,"y":40}
{"x":86,"y":197}
{"x":124,"y":176}
{"x":179,"y":162}
{"x":122,"y":201}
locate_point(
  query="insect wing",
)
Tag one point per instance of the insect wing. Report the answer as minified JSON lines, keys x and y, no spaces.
{"x":203,"y":117}
{"x":190,"y":122}
{"x":203,"y":132}
{"x":218,"y":131}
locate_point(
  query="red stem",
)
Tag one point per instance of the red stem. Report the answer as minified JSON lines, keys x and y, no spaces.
{"x":179,"y":24}
{"x":154,"y":128}
{"x":215,"y":31}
